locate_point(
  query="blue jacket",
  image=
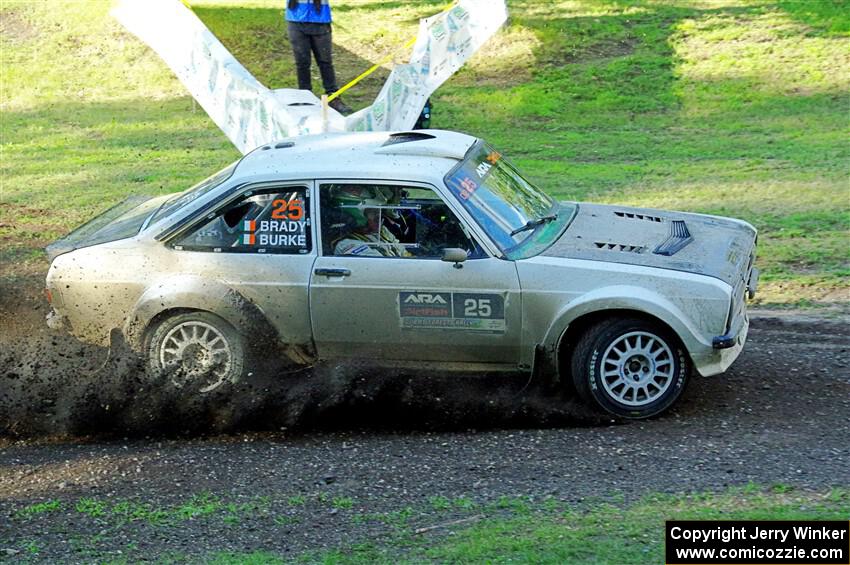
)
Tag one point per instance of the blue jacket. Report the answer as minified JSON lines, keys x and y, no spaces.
{"x":304,"y":12}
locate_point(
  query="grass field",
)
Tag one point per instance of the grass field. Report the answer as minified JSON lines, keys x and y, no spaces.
{"x":442,"y":530}
{"x":732,"y":107}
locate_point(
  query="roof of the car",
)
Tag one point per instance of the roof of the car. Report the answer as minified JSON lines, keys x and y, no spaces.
{"x":358,"y":154}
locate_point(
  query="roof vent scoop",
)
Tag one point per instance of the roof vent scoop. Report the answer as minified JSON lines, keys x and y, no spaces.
{"x":405,"y":137}
{"x":679,"y":237}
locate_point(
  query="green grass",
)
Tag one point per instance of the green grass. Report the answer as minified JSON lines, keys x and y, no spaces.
{"x":342,"y":502}
{"x":607,"y":533}
{"x":731,"y":107}
{"x":202,"y":506}
{"x":92,"y":507}
{"x":610,"y":534}
{"x":518,"y":531}
{"x":440,"y":529}
{"x":39,"y":509}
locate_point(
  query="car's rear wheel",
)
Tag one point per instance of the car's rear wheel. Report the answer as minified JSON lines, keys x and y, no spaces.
{"x":630,"y":367}
{"x":196,"y":351}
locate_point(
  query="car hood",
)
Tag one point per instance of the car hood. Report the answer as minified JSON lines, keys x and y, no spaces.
{"x":718,"y":247}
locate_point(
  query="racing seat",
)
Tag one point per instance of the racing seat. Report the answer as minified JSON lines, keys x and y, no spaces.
{"x":336,"y":224}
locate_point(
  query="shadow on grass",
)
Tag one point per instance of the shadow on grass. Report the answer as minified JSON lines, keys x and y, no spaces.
{"x":608,"y":92}
{"x":824,"y":17}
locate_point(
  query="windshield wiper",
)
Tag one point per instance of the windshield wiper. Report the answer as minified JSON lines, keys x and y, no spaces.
{"x":531,"y":224}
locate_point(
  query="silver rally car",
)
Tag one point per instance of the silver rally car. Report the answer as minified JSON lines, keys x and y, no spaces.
{"x":423,"y":248}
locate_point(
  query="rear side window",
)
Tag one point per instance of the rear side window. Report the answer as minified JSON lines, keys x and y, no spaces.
{"x":263,"y":221}
{"x":181,"y":199}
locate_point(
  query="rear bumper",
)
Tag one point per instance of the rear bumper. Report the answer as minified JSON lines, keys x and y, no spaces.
{"x":58,"y":322}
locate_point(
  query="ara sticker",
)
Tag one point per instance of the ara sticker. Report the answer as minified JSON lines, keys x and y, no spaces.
{"x":455,"y":311}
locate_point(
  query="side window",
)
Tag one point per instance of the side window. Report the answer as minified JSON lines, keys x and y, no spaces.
{"x":389,"y":221}
{"x":262,"y":221}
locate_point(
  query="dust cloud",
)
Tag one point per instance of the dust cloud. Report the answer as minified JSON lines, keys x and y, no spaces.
{"x":53,"y":385}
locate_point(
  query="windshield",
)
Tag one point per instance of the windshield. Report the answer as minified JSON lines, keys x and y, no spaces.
{"x":181,"y":199}
{"x":509,"y":208}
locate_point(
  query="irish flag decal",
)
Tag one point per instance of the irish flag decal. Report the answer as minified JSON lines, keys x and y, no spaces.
{"x":249,"y":238}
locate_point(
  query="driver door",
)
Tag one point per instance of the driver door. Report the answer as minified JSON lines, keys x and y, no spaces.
{"x":414,"y":306}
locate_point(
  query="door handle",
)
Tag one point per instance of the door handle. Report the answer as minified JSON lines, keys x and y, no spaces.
{"x":333,"y":272}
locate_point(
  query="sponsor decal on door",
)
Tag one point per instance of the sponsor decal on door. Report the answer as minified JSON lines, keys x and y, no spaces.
{"x":480,"y":312}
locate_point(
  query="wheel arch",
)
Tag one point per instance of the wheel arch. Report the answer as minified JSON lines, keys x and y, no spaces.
{"x":578,"y":327}
{"x":195,"y":294}
{"x":618,"y":302}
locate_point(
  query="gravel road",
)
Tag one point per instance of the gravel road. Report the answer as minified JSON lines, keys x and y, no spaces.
{"x":350,"y":466}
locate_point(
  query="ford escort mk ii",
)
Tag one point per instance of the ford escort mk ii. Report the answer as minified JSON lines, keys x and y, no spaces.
{"x":425,"y":248}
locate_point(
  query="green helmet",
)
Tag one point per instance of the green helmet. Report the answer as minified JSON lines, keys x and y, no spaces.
{"x":353,"y":200}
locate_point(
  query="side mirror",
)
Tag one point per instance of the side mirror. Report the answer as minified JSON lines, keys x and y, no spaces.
{"x":455,"y":255}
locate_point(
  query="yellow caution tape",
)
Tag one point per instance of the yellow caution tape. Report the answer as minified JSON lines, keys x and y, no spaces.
{"x":381,"y":63}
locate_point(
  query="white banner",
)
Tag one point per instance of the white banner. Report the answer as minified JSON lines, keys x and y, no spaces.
{"x":444,"y":43}
{"x":252,"y":115}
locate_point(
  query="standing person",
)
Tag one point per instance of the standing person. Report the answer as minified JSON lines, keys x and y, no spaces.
{"x":309,"y":27}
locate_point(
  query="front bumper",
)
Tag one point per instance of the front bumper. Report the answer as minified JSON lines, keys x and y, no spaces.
{"x":726,"y":341}
{"x":753,"y":283}
{"x":716,"y":360}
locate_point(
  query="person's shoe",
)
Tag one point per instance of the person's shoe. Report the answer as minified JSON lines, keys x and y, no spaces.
{"x":340,"y":106}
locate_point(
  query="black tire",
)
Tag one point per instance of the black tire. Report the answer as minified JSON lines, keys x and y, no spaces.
{"x":629,"y":367}
{"x":197,"y":352}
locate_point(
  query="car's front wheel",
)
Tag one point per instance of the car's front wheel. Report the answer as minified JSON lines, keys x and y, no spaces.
{"x":196,"y":351}
{"x":630,"y":367}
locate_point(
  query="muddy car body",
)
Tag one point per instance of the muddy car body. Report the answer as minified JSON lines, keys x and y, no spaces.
{"x":425,"y":248}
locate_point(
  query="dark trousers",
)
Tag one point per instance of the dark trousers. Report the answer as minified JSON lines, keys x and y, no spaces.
{"x":307,"y":38}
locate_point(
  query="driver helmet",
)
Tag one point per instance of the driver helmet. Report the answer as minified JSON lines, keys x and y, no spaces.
{"x":354,"y":200}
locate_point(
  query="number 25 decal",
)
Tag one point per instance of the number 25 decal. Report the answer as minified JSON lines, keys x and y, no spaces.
{"x":283,"y":210}
{"x":477,"y":308}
